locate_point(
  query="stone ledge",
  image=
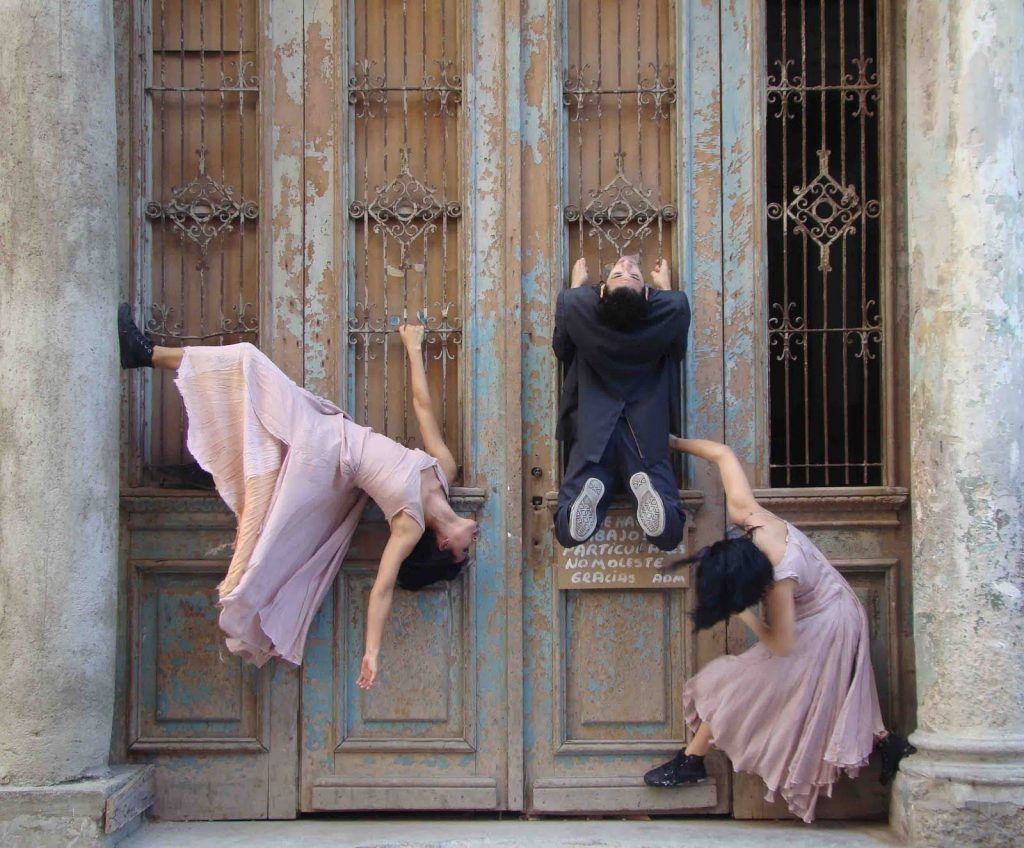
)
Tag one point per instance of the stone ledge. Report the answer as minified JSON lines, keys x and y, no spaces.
{"x":96,"y":811}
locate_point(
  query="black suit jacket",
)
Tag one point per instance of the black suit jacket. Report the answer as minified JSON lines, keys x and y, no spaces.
{"x":608,"y":373}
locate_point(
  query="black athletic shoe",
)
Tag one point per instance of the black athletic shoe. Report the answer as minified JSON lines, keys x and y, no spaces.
{"x":136,"y":346}
{"x":681,"y":769}
{"x":893,"y":749}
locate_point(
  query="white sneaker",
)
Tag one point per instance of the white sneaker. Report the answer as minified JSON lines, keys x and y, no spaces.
{"x":650,"y":511}
{"x":583,"y":514}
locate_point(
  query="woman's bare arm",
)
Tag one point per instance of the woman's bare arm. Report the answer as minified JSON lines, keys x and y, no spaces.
{"x":738,"y":494}
{"x":777,"y":634}
{"x":422,"y":403}
{"x":743,"y":508}
{"x":405,"y":533}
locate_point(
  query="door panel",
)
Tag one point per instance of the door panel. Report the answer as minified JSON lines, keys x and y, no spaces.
{"x":420,"y":90}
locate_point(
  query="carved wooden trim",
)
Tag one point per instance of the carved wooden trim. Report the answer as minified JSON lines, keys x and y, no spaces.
{"x":150,"y":501}
{"x":417,"y":793}
{"x":619,"y":747}
{"x":830,"y":507}
{"x":397,"y":745}
{"x":887,"y":570}
{"x":137,"y":741}
{"x":174,"y":745}
{"x":692,"y":500}
{"x":605,"y":795}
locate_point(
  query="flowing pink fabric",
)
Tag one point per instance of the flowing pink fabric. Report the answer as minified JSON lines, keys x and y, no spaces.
{"x":801,"y":720}
{"x":257,"y":432}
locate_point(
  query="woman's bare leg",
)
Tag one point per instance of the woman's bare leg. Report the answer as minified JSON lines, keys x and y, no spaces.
{"x":701,"y":741}
{"x":167,"y":357}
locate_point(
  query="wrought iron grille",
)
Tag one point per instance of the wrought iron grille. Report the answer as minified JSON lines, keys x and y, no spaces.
{"x":405,"y":97}
{"x":618,"y":92}
{"x":826,"y":281}
{"x":202,"y":87}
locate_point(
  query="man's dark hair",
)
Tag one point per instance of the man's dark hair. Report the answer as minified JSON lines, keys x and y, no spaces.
{"x":427,"y":564}
{"x":732,"y":575}
{"x":622,"y":308}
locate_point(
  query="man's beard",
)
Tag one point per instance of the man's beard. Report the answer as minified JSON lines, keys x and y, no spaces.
{"x":622,"y":308}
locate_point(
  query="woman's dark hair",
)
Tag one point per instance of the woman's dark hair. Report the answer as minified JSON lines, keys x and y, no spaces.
{"x":622,"y":308}
{"x":427,"y":564}
{"x":732,"y":575}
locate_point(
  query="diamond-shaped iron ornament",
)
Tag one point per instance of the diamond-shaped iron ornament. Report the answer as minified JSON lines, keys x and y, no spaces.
{"x":825,"y":210}
{"x":203,"y":209}
{"x":405,"y":209}
{"x":621,"y":212}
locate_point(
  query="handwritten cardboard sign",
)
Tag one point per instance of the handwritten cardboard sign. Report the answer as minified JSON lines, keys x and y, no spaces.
{"x":618,"y":556}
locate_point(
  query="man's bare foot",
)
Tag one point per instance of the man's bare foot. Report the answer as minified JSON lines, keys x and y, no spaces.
{"x":580,"y":275}
{"x":661,"y":275}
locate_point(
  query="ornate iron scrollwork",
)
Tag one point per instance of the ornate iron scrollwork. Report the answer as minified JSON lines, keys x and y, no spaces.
{"x":443,"y":331}
{"x":367,"y":89}
{"x":163,"y":326}
{"x":785,"y":331}
{"x":405,"y":210}
{"x":825,"y":210}
{"x":203,"y":209}
{"x":621,"y":212}
{"x":656,"y":91}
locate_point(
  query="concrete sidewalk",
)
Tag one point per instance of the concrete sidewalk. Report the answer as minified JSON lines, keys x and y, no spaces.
{"x":509,"y":833}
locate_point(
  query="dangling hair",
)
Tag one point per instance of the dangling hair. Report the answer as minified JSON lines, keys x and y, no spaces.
{"x":622,"y":309}
{"x":732,"y":575}
{"x":427,"y":564}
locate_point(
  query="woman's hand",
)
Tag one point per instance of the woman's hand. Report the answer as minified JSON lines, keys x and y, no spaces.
{"x":367,"y":672}
{"x":412,"y":335}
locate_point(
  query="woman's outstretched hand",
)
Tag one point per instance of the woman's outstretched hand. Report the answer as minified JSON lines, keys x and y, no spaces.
{"x":412,"y":335}
{"x":367,"y":672}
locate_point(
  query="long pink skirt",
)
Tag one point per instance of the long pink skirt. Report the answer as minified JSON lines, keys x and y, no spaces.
{"x":281,"y":459}
{"x":802,"y":720}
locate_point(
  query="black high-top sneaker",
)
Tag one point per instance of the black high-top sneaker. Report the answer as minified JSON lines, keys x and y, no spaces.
{"x":681,"y":769}
{"x":136,"y":346}
{"x":893,"y":749}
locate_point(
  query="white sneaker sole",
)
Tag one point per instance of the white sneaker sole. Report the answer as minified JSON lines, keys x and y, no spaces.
{"x":650,"y":511}
{"x":583,"y":514}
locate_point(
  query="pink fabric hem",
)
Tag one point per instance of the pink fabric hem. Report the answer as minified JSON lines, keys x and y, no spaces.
{"x":801,"y":798}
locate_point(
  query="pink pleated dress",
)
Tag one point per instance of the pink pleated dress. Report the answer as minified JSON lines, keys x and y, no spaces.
{"x":296,"y":471}
{"x":801,"y":720}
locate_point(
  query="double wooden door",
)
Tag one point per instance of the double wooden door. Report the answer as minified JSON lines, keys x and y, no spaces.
{"x":446,"y":162}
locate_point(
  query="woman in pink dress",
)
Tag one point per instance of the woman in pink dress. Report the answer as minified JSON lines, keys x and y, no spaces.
{"x":799,"y":707}
{"x":297,"y":471}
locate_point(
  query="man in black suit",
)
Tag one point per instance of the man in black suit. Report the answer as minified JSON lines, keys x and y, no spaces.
{"x":621,"y":345}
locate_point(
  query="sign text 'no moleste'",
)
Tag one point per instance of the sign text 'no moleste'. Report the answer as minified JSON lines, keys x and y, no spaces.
{"x":618,"y":556}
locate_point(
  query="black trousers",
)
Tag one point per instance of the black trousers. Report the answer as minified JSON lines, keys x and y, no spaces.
{"x":621,"y":460}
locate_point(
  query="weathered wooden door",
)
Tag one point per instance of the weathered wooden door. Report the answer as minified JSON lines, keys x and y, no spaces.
{"x":408,"y":199}
{"x":306,"y":176}
{"x":750,"y":143}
